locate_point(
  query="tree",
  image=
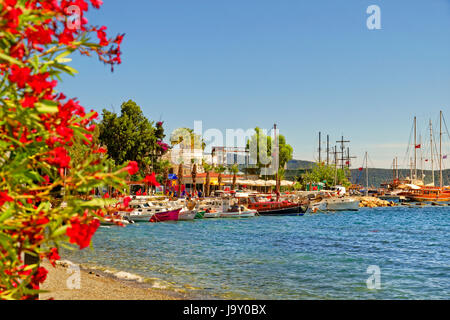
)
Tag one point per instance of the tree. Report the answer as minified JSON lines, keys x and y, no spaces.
{"x":38,"y":125}
{"x":234,"y":170}
{"x":260,"y":148}
{"x":326,"y":174}
{"x":131,"y":136}
{"x":219,"y":169}
{"x":207,"y":168}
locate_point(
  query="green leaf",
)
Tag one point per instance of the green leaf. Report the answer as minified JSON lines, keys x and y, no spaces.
{"x":10,"y":59}
{"x":47,"y":106}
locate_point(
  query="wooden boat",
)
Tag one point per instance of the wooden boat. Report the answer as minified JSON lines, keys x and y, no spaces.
{"x":429,"y":194}
{"x":170,"y":215}
{"x":276,"y":208}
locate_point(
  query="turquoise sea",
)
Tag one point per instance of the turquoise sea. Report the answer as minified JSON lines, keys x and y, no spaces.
{"x":321,"y":256}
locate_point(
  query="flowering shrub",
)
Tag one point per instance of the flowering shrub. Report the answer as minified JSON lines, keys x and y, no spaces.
{"x":37,"y":125}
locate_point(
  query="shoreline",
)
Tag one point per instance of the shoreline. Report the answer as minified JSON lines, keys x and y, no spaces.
{"x":95,"y":284}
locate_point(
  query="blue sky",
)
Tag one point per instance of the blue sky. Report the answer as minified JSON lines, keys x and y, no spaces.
{"x":308,"y":66}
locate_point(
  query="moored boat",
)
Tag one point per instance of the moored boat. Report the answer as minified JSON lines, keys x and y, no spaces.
{"x":170,"y":215}
{"x":276,"y":208}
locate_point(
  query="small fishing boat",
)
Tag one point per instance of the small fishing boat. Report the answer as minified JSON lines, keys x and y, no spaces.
{"x":238,"y":212}
{"x":187,"y":215}
{"x":342,"y":204}
{"x":209,"y":214}
{"x":110,"y":221}
{"x":170,"y":215}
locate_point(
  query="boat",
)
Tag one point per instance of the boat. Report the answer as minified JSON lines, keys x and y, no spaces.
{"x":170,"y":215}
{"x":208,"y":214}
{"x":276,"y":208}
{"x":116,"y":221}
{"x":187,"y":215}
{"x":342,"y":204}
{"x":429,"y":194}
{"x":238,"y":211}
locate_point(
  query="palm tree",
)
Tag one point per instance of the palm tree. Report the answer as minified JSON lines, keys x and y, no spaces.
{"x":207,"y":168}
{"x":164,"y":166}
{"x":180,"y":178}
{"x":194,"y":175}
{"x":234,"y":169}
{"x":219,"y":169}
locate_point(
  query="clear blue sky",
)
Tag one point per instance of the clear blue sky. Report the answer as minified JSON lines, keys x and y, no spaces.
{"x":309,"y":66}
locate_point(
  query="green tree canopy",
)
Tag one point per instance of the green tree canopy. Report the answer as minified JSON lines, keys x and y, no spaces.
{"x":326,"y":174}
{"x":131,"y":136}
{"x":260,"y":142}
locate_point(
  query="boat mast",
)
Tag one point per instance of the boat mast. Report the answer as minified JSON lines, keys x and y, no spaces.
{"x":415,"y":148}
{"x":277,"y":165}
{"x":320,"y":147}
{"x":421,"y":159}
{"x":367,"y":174}
{"x":328,"y":149}
{"x":441,"y":182}
{"x":431,"y":147}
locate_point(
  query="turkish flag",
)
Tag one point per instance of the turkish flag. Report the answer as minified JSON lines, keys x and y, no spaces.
{"x":418,"y":146}
{"x":360,"y":169}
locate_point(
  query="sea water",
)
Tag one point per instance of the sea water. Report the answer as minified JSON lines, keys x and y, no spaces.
{"x":317,"y":256}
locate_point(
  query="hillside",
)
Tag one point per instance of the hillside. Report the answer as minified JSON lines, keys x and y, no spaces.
{"x":377,"y":176}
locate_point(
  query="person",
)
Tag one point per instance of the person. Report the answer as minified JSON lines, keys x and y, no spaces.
{"x":199,"y":194}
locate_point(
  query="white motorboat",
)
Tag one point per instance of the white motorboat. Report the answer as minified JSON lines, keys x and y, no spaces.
{"x":315,"y":207}
{"x":342,"y":204}
{"x":238,"y":212}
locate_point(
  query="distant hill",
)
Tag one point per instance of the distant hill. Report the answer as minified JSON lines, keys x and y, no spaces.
{"x":377,"y":176}
{"x":299,"y":164}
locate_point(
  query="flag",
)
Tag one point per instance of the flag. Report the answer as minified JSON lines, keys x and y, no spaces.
{"x":347,"y":162}
{"x":418,"y":146}
{"x":360,"y":169}
{"x":426,"y":160}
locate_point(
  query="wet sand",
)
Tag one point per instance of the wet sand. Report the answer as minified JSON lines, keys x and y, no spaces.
{"x":94,"y":285}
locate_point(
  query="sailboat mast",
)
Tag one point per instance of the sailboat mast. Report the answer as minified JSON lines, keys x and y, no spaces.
{"x":367,"y":174}
{"x":320,"y":147}
{"x":441,"y":182}
{"x":431,"y":148}
{"x":421,"y":159}
{"x":415,"y":148}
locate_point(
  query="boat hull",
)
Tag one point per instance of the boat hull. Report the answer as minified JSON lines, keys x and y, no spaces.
{"x":291,"y":211}
{"x":171,"y":215}
{"x":343,"y":205}
{"x":210,"y":215}
{"x":187,"y":216}
{"x":243,"y":214}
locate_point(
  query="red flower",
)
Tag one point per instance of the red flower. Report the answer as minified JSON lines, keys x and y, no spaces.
{"x":53,"y":255}
{"x":59,"y":157}
{"x":102,"y":36}
{"x":132,"y":167}
{"x":19,"y":75}
{"x":81,"y":233}
{"x":96,"y":3}
{"x":126,"y":201}
{"x":39,"y":276}
{"x":5,"y":198}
